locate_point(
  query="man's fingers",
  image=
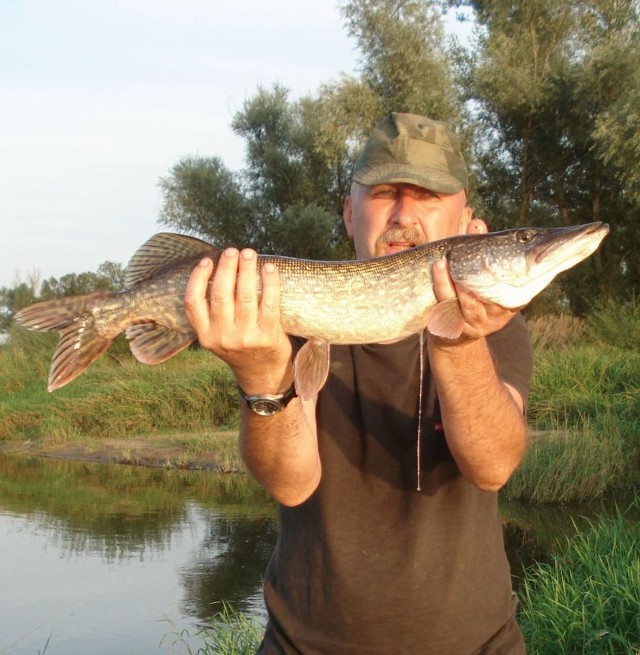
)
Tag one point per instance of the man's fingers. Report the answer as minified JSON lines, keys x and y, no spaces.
{"x":443,"y":285}
{"x":247,"y":289}
{"x":195,"y":297}
{"x":270,"y":299}
{"x":223,"y":286}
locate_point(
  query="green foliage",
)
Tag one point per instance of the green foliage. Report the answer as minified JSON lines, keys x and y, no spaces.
{"x":549,"y":82}
{"x":575,"y":463}
{"x":545,"y":94}
{"x":404,"y":64}
{"x":14,"y":298}
{"x":201,"y":196}
{"x":228,"y":632}
{"x":109,"y":277}
{"x":115,"y":398}
{"x":550,"y":332}
{"x":586,"y":382}
{"x":616,"y":322}
{"x":584,"y":407}
{"x":586,"y":600}
{"x":306,"y":231}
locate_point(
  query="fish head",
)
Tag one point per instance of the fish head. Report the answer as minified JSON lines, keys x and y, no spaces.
{"x":510,"y":267}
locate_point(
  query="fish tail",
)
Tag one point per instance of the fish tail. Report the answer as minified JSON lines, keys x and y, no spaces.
{"x":80,"y":343}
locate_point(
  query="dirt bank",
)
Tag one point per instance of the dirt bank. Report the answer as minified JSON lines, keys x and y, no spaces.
{"x":154,"y":451}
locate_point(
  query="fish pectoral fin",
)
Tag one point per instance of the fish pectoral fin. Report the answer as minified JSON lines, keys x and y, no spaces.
{"x":311,"y":368}
{"x":151,"y":343}
{"x":446,"y":320}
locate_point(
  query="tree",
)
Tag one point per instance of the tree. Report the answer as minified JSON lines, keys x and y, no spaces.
{"x":114,"y":273}
{"x":545,"y":75}
{"x":14,"y":298}
{"x":202,"y":197}
{"x":522,"y":48}
{"x":403,"y":60}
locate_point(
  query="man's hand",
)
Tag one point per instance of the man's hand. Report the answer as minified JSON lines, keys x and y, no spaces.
{"x":481,"y":319}
{"x":238,"y":324}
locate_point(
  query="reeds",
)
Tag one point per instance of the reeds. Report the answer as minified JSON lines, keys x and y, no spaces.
{"x":584,"y":408}
{"x":228,"y":632}
{"x":586,"y":600}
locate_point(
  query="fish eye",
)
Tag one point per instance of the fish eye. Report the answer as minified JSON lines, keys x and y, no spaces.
{"x":525,"y":236}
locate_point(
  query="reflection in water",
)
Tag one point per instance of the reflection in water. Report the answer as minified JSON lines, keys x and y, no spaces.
{"x":229,"y":564}
{"x":97,"y":556}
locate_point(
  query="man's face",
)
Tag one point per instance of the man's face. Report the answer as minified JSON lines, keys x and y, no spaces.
{"x":388,"y":218}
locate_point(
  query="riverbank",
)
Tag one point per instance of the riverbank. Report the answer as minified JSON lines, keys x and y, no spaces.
{"x":187,"y":452}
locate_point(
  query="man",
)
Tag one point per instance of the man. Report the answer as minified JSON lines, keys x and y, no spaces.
{"x":365,"y":562}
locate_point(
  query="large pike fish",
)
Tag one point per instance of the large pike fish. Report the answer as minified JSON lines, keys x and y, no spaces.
{"x":341,"y":302}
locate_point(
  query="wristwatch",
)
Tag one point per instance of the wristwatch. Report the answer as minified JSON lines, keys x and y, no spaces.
{"x":266,"y":404}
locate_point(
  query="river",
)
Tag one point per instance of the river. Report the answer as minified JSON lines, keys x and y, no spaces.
{"x":109,"y":559}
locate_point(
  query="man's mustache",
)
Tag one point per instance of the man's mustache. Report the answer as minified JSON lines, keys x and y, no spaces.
{"x":401,"y":235}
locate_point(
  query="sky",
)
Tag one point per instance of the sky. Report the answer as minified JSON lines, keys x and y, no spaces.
{"x":100,"y":98}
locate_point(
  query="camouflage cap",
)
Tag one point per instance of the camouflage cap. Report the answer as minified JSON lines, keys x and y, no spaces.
{"x":412,"y":149}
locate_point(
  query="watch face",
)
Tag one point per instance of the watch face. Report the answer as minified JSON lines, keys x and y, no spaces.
{"x":266,"y":406}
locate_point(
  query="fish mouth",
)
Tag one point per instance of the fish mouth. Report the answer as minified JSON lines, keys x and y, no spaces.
{"x":579,"y":240}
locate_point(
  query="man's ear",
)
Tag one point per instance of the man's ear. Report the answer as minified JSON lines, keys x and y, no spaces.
{"x":465,"y":218}
{"x":346,"y":216}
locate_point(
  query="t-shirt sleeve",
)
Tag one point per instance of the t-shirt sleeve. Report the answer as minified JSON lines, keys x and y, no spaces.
{"x":511,"y":351}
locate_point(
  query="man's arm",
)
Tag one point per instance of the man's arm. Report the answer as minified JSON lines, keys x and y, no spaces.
{"x":483,"y":417}
{"x":244,"y":330}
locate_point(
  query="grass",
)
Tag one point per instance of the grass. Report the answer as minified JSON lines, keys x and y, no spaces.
{"x":586,"y":601}
{"x":573,"y":465}
{"x":116,"y":397}
{"x":616,"y":322}
{"x":584,"y":409}
{"x":228,"y":632}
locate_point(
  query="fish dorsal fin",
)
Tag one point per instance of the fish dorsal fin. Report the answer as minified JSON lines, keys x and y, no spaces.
{"x":446,"y":320}
{"x":151,"y":343}
{"x":162,"y":250}
{"x":311,"y":368}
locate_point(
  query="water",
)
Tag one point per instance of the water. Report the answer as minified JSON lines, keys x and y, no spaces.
{"x":109,"y":560}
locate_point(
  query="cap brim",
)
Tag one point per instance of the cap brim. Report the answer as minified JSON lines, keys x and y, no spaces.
{"x":428,"y":178}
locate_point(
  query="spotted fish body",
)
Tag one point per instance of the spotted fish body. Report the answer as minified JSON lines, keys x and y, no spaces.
{"x":342,"y":302}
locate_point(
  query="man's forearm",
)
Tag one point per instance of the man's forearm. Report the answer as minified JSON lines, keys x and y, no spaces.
{"x":483,"y":420}
{"x":281,"y":451}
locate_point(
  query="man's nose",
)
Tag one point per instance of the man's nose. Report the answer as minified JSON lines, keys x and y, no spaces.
{"x":403,"y":211}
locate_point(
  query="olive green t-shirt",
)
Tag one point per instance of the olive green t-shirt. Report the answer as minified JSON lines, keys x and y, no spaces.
{"x":369,"y":564}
